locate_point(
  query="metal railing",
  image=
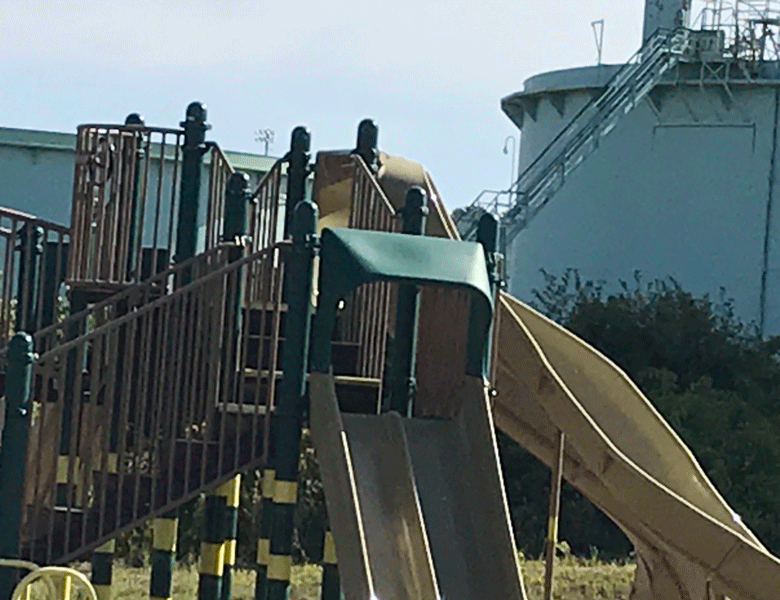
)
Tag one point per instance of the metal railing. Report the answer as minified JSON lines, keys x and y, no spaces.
{"x":365,"y":317}
{"x":548,"y":172}
{"x":129,"y":299}
{"x":266,"y":209}
{"x":127,"y":183}
{"x":220,"y":171}
{"x":146,"y":410}
{"x":34,"y":255}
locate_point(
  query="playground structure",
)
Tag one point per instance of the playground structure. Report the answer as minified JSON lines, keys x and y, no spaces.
{"x":184,"y":362}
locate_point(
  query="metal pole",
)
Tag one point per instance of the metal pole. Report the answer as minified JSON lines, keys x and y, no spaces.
{"x":367,"y":141}
{"x":331,"y":583}
{"x":30,"y":249}
{"x":289,"y":411}
{"x":264,"y":535}
{"x":102,"y":569}
{"x":212,"y":549}
{"x":135,"y":158}
{"x":194,"y":148}
{"x":404,"y":383}
{"x":19,"y":358}
{"x":554,"y":508}
{"x":480,"y":319}
{"x":163,"y":555}
{"x":231,"y":490}
{"x":297,"y":172}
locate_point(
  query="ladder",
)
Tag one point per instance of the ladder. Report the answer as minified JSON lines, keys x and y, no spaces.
{"x":580,"y":138}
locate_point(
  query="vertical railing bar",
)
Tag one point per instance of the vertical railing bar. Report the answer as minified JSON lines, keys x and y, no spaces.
{"x":158,"y":203}
{"x":174,"y":182}
{"x":124,"y":409}
{"x":111,"y":391}
{"x":272,"y":367}
{"x":188,"y":372}
{"x":179,"y":318}
{"x":75,"y":430}
{"x":140,"y":195}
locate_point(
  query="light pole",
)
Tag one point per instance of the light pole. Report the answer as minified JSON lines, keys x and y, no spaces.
{"x":514,"y":153}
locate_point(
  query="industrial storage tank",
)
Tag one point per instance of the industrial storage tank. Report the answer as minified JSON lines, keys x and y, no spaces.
{"x":670,"y":170}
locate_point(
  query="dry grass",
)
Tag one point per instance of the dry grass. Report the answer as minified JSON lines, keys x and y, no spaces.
{"x":574,"y":580}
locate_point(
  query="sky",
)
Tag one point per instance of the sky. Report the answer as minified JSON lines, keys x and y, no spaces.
{"x":431,"y":73}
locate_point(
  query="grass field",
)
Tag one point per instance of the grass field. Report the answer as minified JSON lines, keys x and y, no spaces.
{"x":574,"y":580}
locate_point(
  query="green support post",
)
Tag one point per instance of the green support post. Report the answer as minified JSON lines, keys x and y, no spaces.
{"x":237,"y":196}
{"x":194,"y":148}
{"x":102,"y":569}
{"x":212,"y":549}
{"x":19,"y":357}
{"x":137,"y":153}
{"x":367,"y":144}
{"x":30,"y":249}
{"x":297,"y":171}
{"x":163,"y":555}
{"x":480,"y":319}
{"x":289,"y":411}
{"x":53,"y":279}
{"x":264,"y":534}
{"x":404,"y":383}
{"x":331,"y":583}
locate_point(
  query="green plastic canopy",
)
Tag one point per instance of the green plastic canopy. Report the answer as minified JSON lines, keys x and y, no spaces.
{"x":352,"y":257}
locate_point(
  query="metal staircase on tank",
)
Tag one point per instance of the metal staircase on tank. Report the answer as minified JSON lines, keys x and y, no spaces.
{"x":537,"y":184}
{"x":162,"y":383}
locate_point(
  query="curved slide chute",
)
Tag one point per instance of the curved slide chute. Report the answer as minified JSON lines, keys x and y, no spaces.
{"x":620,"y":452}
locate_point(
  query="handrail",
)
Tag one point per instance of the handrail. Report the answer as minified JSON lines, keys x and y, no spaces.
{"x":157,"y":283}
{"x":134,"y":412}
{"x":146,"y":308}
{"x":574,"y":134}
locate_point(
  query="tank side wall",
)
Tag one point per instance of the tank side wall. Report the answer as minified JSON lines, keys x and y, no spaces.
{"x":680,"y":194}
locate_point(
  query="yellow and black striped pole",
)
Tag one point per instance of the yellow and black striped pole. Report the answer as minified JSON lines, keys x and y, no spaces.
{"x":163,"y":554}
{"x":331,"y":585}
{"x":290,"y":408}
{"x":280,"y":546}
{"x":231,"y":491}
{"x":264,"y":534}
{"x":102,"y":567}
{"x":212,"y":549}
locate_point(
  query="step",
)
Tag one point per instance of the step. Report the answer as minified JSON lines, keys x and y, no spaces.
{"x":344,"y":355}
{"x":355,"y":394}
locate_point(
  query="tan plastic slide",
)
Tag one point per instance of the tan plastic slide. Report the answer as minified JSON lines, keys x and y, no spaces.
{"x":620,"y":452}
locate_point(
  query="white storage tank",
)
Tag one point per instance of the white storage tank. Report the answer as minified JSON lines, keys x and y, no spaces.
{"x":685,"y":184}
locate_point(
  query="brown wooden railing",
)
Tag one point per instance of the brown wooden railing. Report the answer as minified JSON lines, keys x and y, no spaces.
{"x":149,"y":408}
{"x":23,"y":303}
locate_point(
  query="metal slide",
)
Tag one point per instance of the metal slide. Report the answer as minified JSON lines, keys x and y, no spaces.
{"x":416,"y":505}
